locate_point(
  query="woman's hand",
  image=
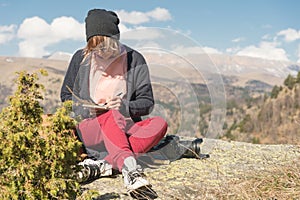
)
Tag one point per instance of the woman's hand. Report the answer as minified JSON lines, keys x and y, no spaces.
{"x":114,"y":103}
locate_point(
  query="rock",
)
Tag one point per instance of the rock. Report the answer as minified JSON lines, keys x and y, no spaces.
{"x":189,"y":178}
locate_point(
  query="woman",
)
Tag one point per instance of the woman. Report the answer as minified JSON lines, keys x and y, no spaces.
{"x":111,"y":89}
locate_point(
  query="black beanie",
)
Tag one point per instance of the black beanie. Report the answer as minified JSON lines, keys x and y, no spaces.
{"x":102,"y":22}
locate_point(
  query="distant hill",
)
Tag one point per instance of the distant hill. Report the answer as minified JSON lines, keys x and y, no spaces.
{"x":275,"y":119}
{"x":56,"y":69}
{"x":241,"y":68}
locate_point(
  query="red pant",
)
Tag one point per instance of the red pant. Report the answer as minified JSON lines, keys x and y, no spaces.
{"x":121,"y":139}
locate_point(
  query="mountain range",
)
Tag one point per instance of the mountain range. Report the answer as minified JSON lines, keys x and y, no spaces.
{"x":165,"y":68}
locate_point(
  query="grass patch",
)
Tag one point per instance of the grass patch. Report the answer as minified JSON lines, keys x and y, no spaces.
{"x":278,"y":182}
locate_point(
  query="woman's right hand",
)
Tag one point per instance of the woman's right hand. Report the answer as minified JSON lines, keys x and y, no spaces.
{"x":114,"y":103}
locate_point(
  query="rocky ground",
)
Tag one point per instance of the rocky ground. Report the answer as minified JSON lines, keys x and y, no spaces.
{"x":211,"y":178}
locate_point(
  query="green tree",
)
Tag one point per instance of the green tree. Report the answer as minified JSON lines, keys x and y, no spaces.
{"x":246,"y":124}
{"x":290,"y":81}
{"x":298,"y":77}
{"x":36,"y":159}
{"x":275,"y":91}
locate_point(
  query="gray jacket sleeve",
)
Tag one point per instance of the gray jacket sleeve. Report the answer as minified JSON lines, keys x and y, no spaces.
{"x":70,"y":76}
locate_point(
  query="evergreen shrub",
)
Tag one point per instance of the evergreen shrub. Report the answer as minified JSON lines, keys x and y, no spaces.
{"x":37,"y":153}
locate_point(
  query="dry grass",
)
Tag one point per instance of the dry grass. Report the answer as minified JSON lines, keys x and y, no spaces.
{"x":278,"y":182}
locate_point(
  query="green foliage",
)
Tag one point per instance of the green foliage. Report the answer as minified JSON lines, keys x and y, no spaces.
{"x":229,"y":134}
{"x":255,"y":140}
{"x":298,"y":77}
{"x":36,"y":155}
{"x":231,"y":106}
{"x":290,"y":81}
{"x":275,"y":91}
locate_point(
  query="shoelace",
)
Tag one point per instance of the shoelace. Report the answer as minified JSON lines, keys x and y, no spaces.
{"x":133,"y":175}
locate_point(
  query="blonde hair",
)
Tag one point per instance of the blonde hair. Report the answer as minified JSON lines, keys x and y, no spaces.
{"x":102,"y":44}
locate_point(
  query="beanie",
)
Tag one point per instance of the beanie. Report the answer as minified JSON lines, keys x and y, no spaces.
{"x":102,"y":22}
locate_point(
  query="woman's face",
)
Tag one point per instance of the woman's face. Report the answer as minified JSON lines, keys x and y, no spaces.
{"x":104,"y":52}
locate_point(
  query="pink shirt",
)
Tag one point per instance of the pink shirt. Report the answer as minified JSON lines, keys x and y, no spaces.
{"x":108,"y":77}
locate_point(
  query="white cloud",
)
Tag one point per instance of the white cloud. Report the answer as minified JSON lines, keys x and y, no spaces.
{"x":148,"y":46}
{"x":267,"y":37}
{"x":33,"y":28}
{"x":239,"y":39}
{"x":196,"y":50}
{"x":160,"y":14}
{"x":233,"y":50}
{"x":7,"y":33}
{"x":37,"y":34}
{"x":210,"y":50}
{"x":32,"y":48}
{"x":67,"y":28}
{"x":133,"y":17}
{"x":289,"y":34}
{"x":265,"y":50}
{"x":142,"y":33}
{"x":137,"y":17}
{"x":298,"y":61}
{"x":123,"y":28}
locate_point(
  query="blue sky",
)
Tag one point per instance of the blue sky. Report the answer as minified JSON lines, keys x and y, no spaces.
{"x":258,"y":28}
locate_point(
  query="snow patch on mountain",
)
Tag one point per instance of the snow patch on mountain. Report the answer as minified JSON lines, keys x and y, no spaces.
{"x":59,"y":56}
